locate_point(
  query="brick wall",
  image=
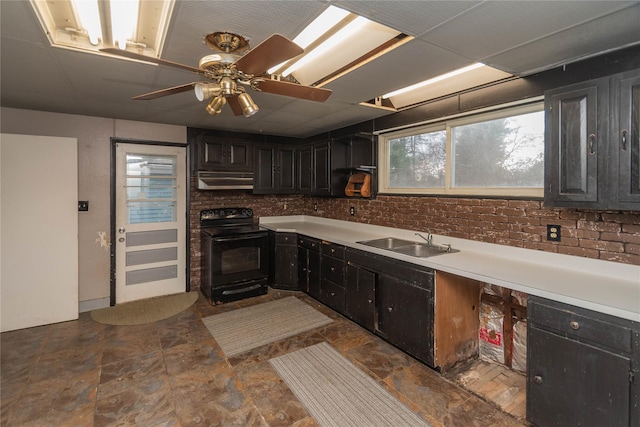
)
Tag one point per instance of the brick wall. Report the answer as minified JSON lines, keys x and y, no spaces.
{"x":611,"y":236}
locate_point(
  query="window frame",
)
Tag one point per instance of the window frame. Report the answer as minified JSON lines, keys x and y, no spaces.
{"x":446,"y":124}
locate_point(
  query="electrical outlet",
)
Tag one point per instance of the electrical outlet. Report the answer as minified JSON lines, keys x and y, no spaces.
{"x":315,"y":207}
{"x":553,"y":233}
{"x":83,"y":205}
{"x":352,"y":210}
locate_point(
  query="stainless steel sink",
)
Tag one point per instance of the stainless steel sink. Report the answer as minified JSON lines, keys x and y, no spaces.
{"x":387,"y":243}
{"x":408,"y":247}
{"x":422,"y":250}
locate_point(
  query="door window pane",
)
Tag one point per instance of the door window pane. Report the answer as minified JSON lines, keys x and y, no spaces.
{"x":418,"y":161}
{"x":506,"y":152}
{"x":151,"y":185}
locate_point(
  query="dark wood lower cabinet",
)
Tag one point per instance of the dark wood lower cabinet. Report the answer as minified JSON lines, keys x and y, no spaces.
{"x":360,"y":296}
{"x":283,"y":272}
{"x":405,"y":315}
{"x":394,"y":299}
{"x":582,"y":367}
{"x":309,"y":265}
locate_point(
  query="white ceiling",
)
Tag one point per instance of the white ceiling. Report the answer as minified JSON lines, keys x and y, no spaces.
{"x":519,"y":37}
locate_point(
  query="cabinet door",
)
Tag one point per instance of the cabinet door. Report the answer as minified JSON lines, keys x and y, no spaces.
{"x":574,"y":384}
{"x":405,"y":316}
{"x":628,"y":141}
{"x":264,"y":169}
{"x":359,"y":296}
{"x":240,"y":156}
{"x":321,"y":170}
{"x":285,"y":170}
{"x":313,"y":266}
{"x":305,"y":171}
{"x":285,"y":266}
{"x":575,"y":144}
{"x":211,"y":154}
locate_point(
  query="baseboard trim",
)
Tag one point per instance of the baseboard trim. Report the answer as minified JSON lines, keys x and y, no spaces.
{"x":93,"y":304}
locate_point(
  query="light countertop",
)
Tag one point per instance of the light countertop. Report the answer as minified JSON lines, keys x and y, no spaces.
{"x":604,"y":286}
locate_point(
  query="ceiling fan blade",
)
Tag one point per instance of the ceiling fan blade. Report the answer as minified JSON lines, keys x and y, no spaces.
{"x":165,"y":92}
{"x":270,"y":52}
{"x":280,"y":87}
{"x":132,"y":55}
{"x":235,"y":105}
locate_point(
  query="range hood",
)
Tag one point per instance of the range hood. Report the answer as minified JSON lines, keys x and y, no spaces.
{"x":208,"y":180}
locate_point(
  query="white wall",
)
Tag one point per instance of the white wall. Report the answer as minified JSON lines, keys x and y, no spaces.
{"x":93,"y":135}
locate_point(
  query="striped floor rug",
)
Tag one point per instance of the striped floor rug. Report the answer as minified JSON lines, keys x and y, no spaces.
{"x":241,"y":330}
{"x":338,"y":394}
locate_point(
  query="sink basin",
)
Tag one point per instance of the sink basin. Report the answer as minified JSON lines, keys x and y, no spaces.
{"x":423,"y":251}
{"x":408,"y":247}
{"x":386,"y":243}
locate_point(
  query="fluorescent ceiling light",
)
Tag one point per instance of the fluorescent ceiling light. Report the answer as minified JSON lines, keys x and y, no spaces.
{"x":446,"y":84}
{"x":434,"y":80}
{"x":336,"y":43}
{"x":89,"y":17}
{"x":338,"y":38}
{"x":91,"y":25}
{"x":318,"y":27}
{"x":124,"y":21}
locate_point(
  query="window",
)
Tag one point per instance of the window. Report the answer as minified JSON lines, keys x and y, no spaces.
{"x":493,"y":154}
{"x":151,"y":188}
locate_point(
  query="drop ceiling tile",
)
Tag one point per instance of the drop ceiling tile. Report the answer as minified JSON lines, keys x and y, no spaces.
{"x":496,"y":26}
{"x":392,"y":71}
{"x":254,"y":20}
{"x":411,"y":17}
{"x":601,"y":35}
{"x":22,"y":29}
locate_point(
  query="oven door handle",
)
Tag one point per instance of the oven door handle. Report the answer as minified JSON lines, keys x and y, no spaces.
{"x":236,"y":238}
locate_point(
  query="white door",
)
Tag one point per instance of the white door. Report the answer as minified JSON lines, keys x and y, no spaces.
{"x":150,"y":221}
{"x":39,"y":230}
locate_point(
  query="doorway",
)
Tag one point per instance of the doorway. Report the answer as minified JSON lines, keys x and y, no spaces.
{"x":149,"y":211}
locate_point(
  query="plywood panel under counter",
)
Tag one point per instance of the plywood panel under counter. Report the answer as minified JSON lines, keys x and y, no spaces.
{"x":456,"y":321}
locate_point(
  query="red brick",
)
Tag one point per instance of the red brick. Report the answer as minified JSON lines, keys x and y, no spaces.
{"x":631,"y":228}
{"x":624,"y":258}
{"x":547,"y":247}
{"x":525,"y":204}
{"x":630,"y":248}
{"x":599,"y":226}
{"x":621,"y":237}
{"x":602,"y":245}
{"x":577,"y":251}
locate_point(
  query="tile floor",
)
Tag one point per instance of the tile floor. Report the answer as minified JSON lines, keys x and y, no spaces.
{"x":172,"y":373}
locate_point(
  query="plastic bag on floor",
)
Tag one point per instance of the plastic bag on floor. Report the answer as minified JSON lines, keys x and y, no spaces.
{"x":519,"y":359}
{"x":491,"y":335}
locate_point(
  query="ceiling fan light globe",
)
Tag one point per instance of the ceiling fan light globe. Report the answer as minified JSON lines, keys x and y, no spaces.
{"x":216,"y":104}
{"x":206,"y":90}
{"x":249,"y":108}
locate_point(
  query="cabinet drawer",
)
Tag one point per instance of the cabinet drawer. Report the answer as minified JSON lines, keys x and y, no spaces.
{"x":332,"y":295}
{"x":333,"y":250}
{"x":581,"y":323}
{"x":333,"y":269}
{"x":309,"y":243}
{"x":286,"y":238}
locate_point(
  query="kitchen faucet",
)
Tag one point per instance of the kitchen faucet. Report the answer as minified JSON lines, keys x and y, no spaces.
{"x":429,"y":237}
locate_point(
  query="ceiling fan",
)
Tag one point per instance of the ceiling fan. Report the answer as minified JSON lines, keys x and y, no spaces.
{"x":232,"y":66}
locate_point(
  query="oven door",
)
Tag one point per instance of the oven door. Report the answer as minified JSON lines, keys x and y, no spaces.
{"x":239,"y":258}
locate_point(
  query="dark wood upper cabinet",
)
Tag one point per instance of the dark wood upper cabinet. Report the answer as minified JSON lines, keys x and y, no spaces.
{"x":275,"y":169}
{"x":220,"y":153}
{"x":628,"y":146}
{"x":592,"y":148}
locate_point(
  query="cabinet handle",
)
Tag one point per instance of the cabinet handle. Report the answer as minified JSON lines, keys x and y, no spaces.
{"x":333,"y":269}
{"x":333,"y":294}
{"x":333,"y":250}
{"x":537,"y":379}
{"x":592,"y":143}
{"x":624,"y":139}
{"x":370,"y":301}
{"x":390,"y":309}
{"x":574,"y":325}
